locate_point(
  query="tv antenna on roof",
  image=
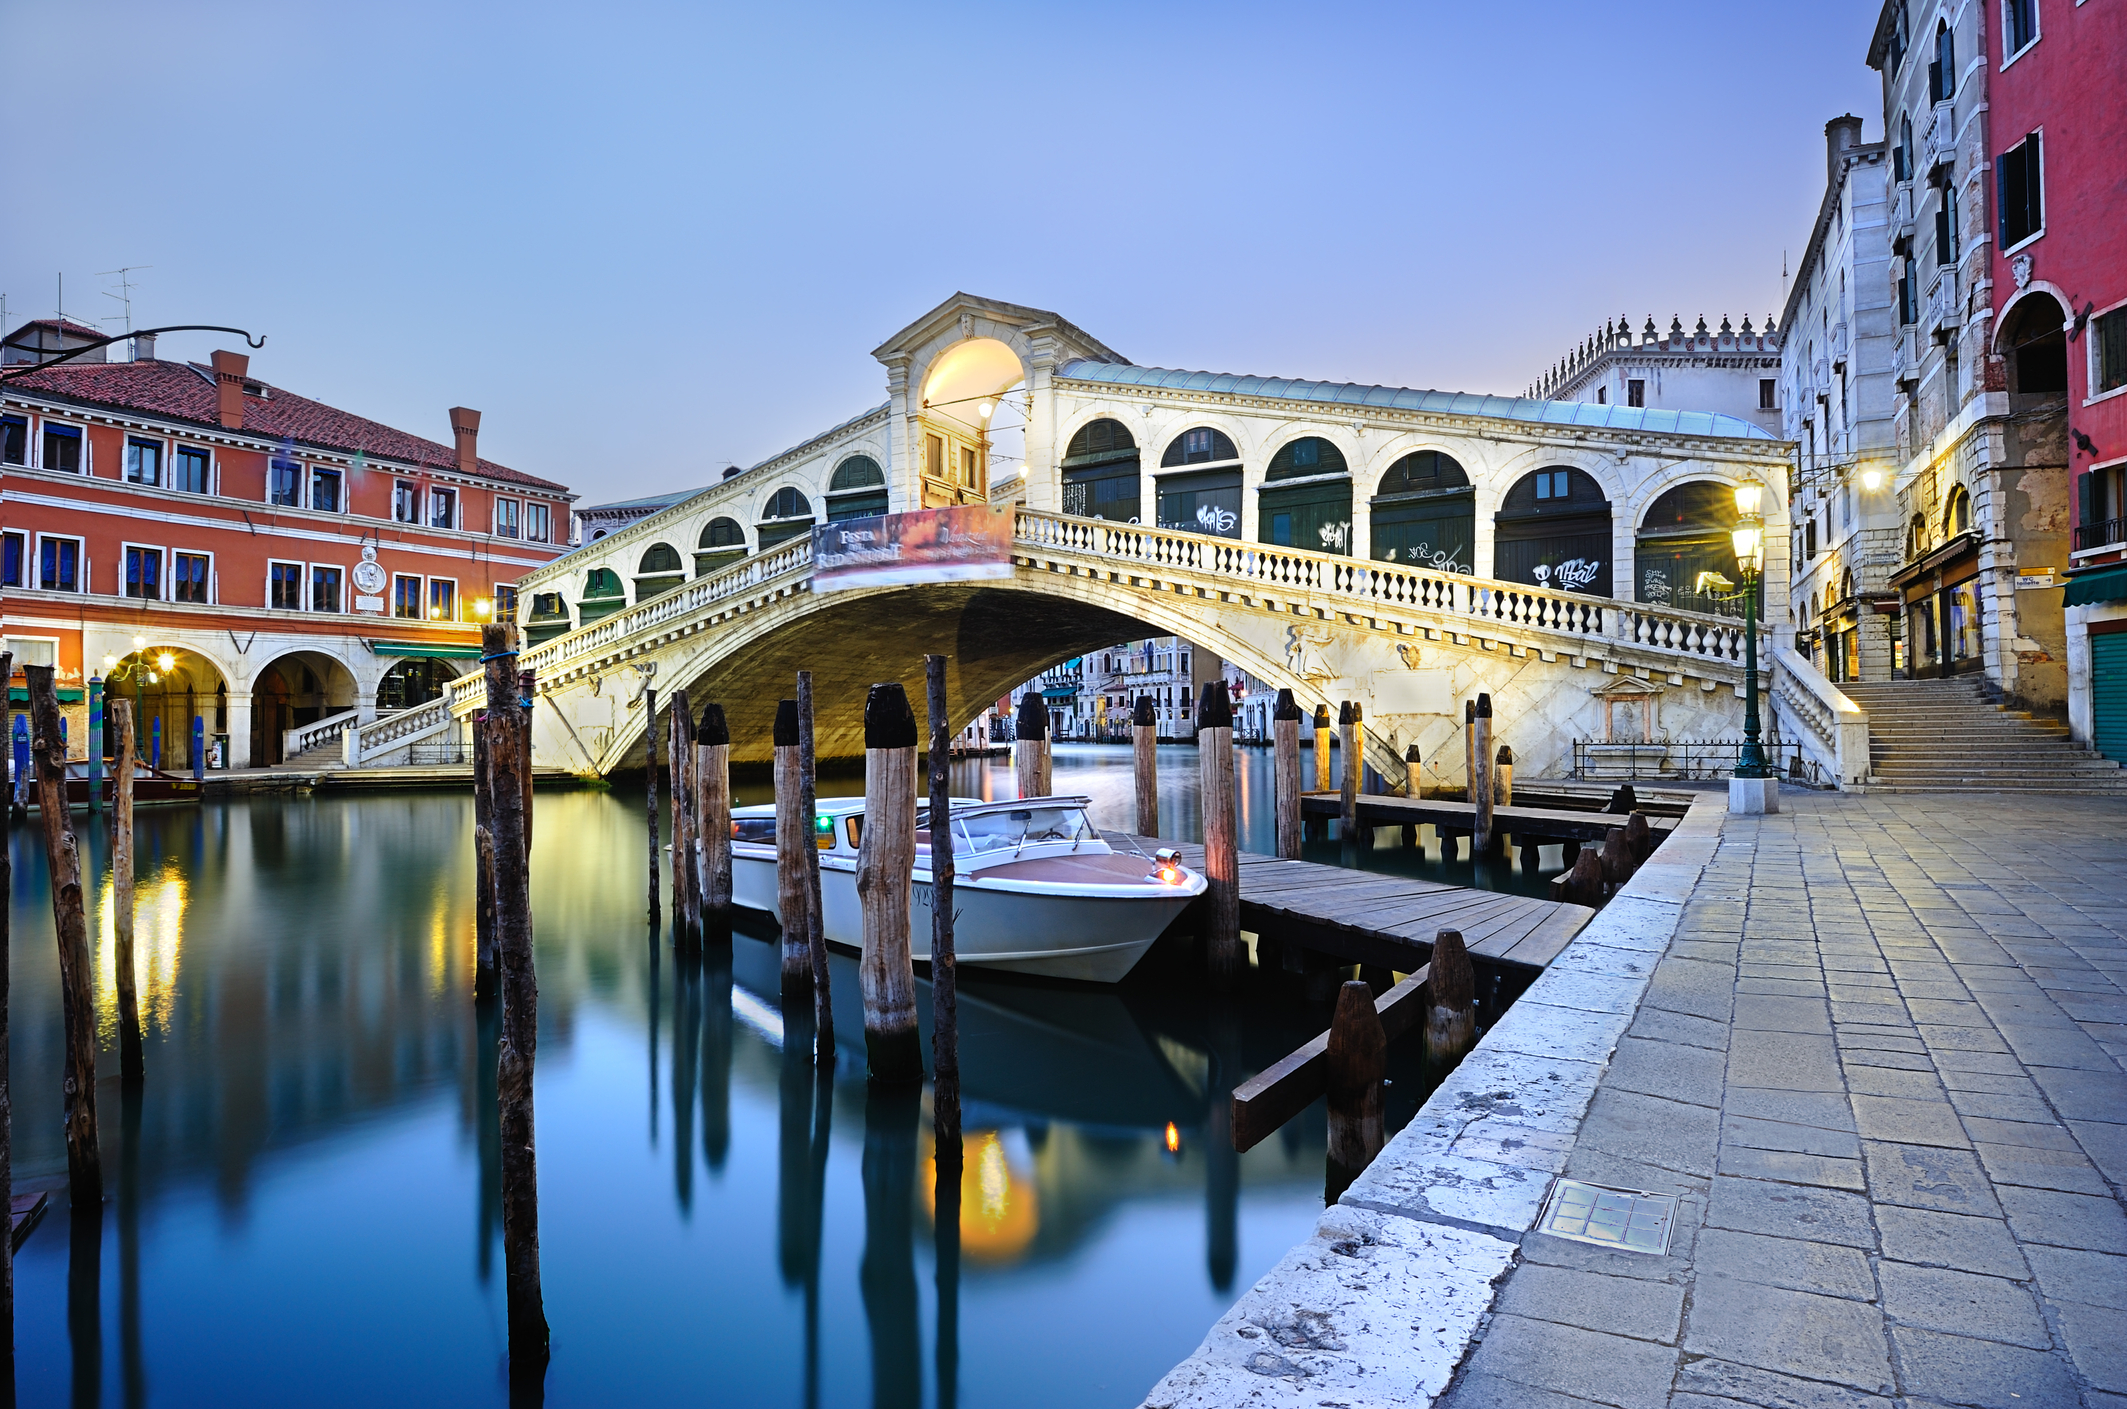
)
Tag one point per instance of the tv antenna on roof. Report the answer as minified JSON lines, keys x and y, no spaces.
{"x":125,"y":291}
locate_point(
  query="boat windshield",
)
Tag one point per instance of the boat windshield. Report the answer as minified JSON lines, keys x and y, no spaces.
{"x":1013,"y":829}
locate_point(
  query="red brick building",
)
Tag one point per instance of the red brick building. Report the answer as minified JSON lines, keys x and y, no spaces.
{"x":2058,"y":141}
{"x":224,"y":549}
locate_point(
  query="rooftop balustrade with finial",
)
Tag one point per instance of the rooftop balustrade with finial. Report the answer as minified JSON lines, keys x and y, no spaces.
{"x":1612,"y":353}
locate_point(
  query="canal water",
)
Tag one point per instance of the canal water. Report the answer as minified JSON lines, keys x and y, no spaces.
{"x":301,"y":1204}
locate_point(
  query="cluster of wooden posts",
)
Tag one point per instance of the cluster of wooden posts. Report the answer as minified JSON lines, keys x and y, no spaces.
{"x":78,"y":1015}
{"x":1590,"y":874}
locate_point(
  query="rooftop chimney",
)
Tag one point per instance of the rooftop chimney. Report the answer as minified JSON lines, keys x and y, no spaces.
{"x":230,"y":369}
{"x":1839,"y":134}
{"x":144,"y":348}
{"x":465,"y":430}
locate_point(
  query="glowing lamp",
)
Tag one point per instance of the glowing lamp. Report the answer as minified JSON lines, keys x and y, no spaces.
{"x":1749,"y":494}
{"x":1174,"y":1139}
{"x":139,"y":641}
{"x":1749,"y":540}
{"x":152,"y":678}
{"x":1872,"y":480}
{"x":109,"y":663}
{"x":436,"y":613}
{"x":166,"y":662}
{"x":984,"y":410}
{"x":481,"y":608}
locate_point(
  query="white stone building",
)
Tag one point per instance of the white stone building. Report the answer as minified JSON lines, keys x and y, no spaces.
{"x":1724,"y":371}
{"x":1836,"y":390}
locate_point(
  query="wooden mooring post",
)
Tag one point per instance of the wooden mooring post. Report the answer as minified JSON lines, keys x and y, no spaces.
{"x":945,"y":973}
{"x":1582,"y":884}
{"x":1451,"y":1001}
{"x":686,"y":896}
{"x":131,"y":1063}
{"x":77,"y":1000}
{"x":1322,"y":740}
{"x":517,"y":1049}
{"x":657,"y":901}
{"x":1285,"y":773}
{"x":483,"y":867}
{"x":1030,"y":746}
{"x":1482,"y":840}
{"x":1144,"y":745}
{"x":1358,"y":1060}
{"x":793,"y":839}
{"x":712,"y":774}
{"x":1503,"y":776}
{"x":1224,"y":955}
{"x":1349,"y":733}
{"x":823,"y":1008}
{"x":886,"y":859}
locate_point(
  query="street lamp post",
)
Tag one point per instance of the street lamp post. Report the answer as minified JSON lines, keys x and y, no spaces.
{"x":1749,"y":538}
{"x":1754,"y":786}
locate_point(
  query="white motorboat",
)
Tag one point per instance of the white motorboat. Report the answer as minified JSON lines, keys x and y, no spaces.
{"x":1036,"y":890}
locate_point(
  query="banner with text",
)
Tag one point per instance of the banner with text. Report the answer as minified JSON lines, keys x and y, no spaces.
{"x":970,"y":543}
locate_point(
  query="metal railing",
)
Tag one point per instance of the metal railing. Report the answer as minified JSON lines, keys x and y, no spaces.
{"x":1677,"y":760}
{"x":2102,"y":534}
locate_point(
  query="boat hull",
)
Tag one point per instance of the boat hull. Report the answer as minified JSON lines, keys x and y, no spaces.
{"x":1087,"y":938}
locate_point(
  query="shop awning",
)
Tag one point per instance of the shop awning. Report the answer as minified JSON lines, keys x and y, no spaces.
{"x":64,"y":695}
{"x":422,"y":648}
{"x":1060,"y":692}
{"x":1941,"y":556}
{"x":2105,"y":584}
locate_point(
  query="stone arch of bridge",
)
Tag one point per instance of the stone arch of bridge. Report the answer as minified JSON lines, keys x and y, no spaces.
{"x":994,"y":636}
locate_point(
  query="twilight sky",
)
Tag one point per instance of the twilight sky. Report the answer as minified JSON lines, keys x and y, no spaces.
{"x":647,"y":241}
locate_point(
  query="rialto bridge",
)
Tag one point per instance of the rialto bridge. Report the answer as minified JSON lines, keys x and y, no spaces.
{"x":1401,"y":548}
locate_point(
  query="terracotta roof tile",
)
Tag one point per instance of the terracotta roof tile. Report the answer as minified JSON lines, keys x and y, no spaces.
{"x":186,"y":392}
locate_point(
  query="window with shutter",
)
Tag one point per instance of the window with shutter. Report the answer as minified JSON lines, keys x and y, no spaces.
{"x":2017,"y":190}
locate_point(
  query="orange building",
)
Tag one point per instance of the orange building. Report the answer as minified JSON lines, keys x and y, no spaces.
{"x":221,"y":549}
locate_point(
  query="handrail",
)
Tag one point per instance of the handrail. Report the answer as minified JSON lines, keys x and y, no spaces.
{"x":308,"y":736}
{"x":1838,"y":727}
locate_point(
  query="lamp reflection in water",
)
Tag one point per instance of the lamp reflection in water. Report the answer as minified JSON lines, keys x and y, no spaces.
{"x":158,"y":940}
{"x":1000,"y":1208}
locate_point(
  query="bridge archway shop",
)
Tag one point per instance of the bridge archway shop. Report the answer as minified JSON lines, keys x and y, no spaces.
{"x":1686,"y":532}
{"x":1553,"y":530}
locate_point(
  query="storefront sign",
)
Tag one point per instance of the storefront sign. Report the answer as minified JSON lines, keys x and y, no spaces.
{"x":966,"y":544}
{"x":2036,"y":577}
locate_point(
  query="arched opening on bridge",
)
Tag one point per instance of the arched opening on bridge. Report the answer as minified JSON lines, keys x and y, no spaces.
{"x":1553,"y":530}
{"x":548,"y":618}
{"x":1200,"y":484}
{"x":299,"y":688}
{"x":1424,"y":514}
{"x":1686,"y":531}
{"x":169,"y":688}
{"x":2036,"y":348}
{"x":602,"y":596}
{"x":1306,"y":498}
{"x":1101,"y":473}
{"x":659,"y":571}
{"x":963,"y":395}
{"x":789,"y":513}
{"x":857,"y":490}
{"x":723,"y":542}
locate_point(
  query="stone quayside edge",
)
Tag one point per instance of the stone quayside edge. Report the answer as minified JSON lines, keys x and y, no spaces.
{"x":1382,"y":1303}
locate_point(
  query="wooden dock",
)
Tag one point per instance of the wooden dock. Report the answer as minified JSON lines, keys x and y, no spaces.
{"x":1366,"y":917}
{"x":1524,"y":824}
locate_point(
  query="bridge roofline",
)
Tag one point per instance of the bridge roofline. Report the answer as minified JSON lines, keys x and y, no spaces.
{"x":1520,"y":411}
{"x":912,"y":337}
{"x":650,"y":525}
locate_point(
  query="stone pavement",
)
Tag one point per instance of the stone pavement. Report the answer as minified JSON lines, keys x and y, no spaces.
{"x":1881,"y":1063}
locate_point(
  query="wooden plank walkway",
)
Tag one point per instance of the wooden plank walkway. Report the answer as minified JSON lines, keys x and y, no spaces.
{"x":1548,"y":823}
{"x":1367,"y":917}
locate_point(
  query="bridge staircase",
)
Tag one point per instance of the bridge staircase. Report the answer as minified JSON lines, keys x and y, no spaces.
{"x":1929,"y":735}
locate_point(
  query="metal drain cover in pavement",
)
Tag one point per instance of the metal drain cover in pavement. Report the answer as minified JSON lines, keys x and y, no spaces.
{"x":1625,"y":1219}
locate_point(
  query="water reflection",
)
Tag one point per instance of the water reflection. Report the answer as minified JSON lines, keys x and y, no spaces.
{"x":317,"y":1137}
